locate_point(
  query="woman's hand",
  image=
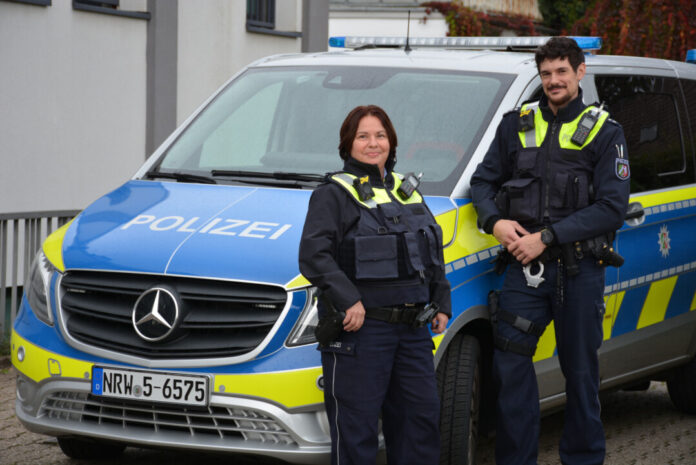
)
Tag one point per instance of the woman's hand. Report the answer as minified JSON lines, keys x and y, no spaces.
{"x":355,"y":316}
{"x":439,"y":323}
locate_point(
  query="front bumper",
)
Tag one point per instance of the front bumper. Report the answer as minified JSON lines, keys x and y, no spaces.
{"x":61,"y":404}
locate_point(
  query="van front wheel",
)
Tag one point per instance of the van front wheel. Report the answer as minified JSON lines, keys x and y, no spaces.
{"x":681,"y":386}
{"x":459,"y":383}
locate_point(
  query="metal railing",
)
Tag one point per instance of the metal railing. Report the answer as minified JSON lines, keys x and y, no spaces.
{"x":21,"y":236}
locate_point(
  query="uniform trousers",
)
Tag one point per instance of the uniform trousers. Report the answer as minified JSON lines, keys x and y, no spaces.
{"x":577,"y":310}
{"x":388,"y":368}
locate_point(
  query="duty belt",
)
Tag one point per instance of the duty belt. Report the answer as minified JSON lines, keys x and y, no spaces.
{"x":396,"y":314}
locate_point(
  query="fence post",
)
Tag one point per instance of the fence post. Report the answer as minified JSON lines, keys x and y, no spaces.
{"x":35,"y":227}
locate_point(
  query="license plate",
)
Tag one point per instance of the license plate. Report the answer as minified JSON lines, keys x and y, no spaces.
{"x":150,"y":386}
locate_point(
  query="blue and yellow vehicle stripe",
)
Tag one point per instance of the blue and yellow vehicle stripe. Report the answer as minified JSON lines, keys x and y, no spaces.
{"x":291,"y":389}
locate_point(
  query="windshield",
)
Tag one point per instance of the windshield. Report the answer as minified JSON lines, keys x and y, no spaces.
{"x":272,"y":120}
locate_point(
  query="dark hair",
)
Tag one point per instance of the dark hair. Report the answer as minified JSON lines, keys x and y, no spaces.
{"x":560,"y":47}
{"x":350,"y":127}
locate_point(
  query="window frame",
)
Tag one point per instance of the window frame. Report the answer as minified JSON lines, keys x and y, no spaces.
{"x":96,"y":6}
{"x":255,"y":21}
{"x":680,"y":113}
{"x":32,"y":2}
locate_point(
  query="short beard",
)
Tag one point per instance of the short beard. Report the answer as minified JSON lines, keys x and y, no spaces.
{"x":562,"y":101}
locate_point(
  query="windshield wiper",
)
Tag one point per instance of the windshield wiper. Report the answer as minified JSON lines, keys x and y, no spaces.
{"x":280,"y":175}
{"x":181,"y":177}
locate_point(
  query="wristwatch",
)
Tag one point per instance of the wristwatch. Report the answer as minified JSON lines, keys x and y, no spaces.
{"x":546,"y":236}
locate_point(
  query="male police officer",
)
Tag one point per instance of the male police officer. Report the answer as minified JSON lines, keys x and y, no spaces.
{"x":552,"y":189}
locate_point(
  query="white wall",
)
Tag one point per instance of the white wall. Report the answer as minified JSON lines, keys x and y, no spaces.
{"x":214,"y":45}
{"x":73,"y":90}
{"x":72,"y":94}
{"x":385,"y":23}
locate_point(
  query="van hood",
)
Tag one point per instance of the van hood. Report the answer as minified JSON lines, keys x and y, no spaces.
{"x":216,"y":231}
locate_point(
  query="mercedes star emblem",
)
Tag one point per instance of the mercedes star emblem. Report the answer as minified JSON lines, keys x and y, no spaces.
{"x":155,"y":314}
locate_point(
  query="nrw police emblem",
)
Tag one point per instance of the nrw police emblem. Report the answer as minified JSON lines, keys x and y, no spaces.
{"x":622,"y":170}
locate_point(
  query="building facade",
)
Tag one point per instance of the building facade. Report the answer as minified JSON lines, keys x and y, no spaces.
{"x":90,"y":88}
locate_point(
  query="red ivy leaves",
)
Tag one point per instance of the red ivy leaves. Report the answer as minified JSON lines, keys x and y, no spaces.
{"x":652,"y":28}
{"x":464,"y":21}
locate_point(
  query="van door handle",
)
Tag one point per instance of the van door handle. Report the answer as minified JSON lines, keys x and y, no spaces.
{"x":635,"y":215}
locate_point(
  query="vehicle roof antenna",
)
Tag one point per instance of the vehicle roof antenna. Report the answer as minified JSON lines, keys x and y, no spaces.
{"x":407,"y":48}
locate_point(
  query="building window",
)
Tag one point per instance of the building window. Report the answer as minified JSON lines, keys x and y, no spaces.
{"x":261,"y":13}
{"x":33,"y":2}
{"x":109,"y":7}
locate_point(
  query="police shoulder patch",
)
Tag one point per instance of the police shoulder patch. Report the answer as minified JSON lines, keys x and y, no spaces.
{"x":622,"y":169}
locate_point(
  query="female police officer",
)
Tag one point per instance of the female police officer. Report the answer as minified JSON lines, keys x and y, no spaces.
{"x":375,"y":252}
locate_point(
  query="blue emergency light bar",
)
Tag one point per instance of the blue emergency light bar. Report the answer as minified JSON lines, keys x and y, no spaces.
{"x":473,"y":43}
{"x":691,"y":56}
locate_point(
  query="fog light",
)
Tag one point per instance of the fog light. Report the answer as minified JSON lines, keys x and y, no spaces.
{"x":20,"y":354}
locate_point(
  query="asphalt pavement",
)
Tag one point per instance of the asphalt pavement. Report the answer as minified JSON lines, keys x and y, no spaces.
{"x":642,"y":428}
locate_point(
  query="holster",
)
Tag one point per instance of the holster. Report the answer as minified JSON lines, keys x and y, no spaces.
{"x":330,"y":324}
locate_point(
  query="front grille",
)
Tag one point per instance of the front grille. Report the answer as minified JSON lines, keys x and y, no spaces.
{"x":189,"y":423}
{"x":219,"y":318}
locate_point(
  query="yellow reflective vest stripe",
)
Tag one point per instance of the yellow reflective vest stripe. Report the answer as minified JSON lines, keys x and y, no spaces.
{"x":535,"y":137}
{"x":381,"y":194}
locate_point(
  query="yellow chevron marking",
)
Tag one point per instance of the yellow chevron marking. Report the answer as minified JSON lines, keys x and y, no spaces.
{"x":617,"y":306}
{"x":656,"y":302}
{"x":547,"y":344}
{"x":608,"y":321}
{"x":693,"y":303}
{"x":613,"y":305}
{"x":447,"y":222}
{"x":437,"y":340}
{"x":296,"y":283}
{"x":650,"y":200}
{"x":468,"y":240}
{"x":53,"y":246}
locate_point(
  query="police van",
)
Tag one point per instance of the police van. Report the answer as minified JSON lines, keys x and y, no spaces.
{"x":171,"y":311}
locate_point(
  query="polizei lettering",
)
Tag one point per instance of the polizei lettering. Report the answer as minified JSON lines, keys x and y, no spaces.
{"x":218,"y":226}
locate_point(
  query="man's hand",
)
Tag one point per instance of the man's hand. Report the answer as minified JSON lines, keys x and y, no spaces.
{"x":439,"y":323}
{"x":355,"y":316}
{"x":508,"y":231}
{"x":526,"y":248}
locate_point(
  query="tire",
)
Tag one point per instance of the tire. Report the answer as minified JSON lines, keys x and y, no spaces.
{"x":84,"y":448}
{"x":459,"y":383}
{"x":681,"y":386}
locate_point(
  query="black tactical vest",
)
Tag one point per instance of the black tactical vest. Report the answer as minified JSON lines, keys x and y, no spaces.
{"x":394,"y":242}
{"x":552,"y":176}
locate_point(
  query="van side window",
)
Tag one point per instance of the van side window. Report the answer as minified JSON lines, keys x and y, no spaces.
{"x":689,"y":89}
{"x":651,"y":111}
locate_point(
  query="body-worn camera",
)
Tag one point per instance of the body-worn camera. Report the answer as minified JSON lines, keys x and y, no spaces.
{"x":409,"y":185}
{"x":363,"y":188}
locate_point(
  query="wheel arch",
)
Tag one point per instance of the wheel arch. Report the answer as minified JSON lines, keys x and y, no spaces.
{"x":475,"y":321}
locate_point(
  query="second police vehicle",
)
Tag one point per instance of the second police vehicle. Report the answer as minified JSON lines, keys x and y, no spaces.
{"x":171,"y":311}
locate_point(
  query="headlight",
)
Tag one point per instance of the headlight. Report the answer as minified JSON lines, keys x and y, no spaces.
{"x":303,"y":332}
{"x":37,"y":290}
